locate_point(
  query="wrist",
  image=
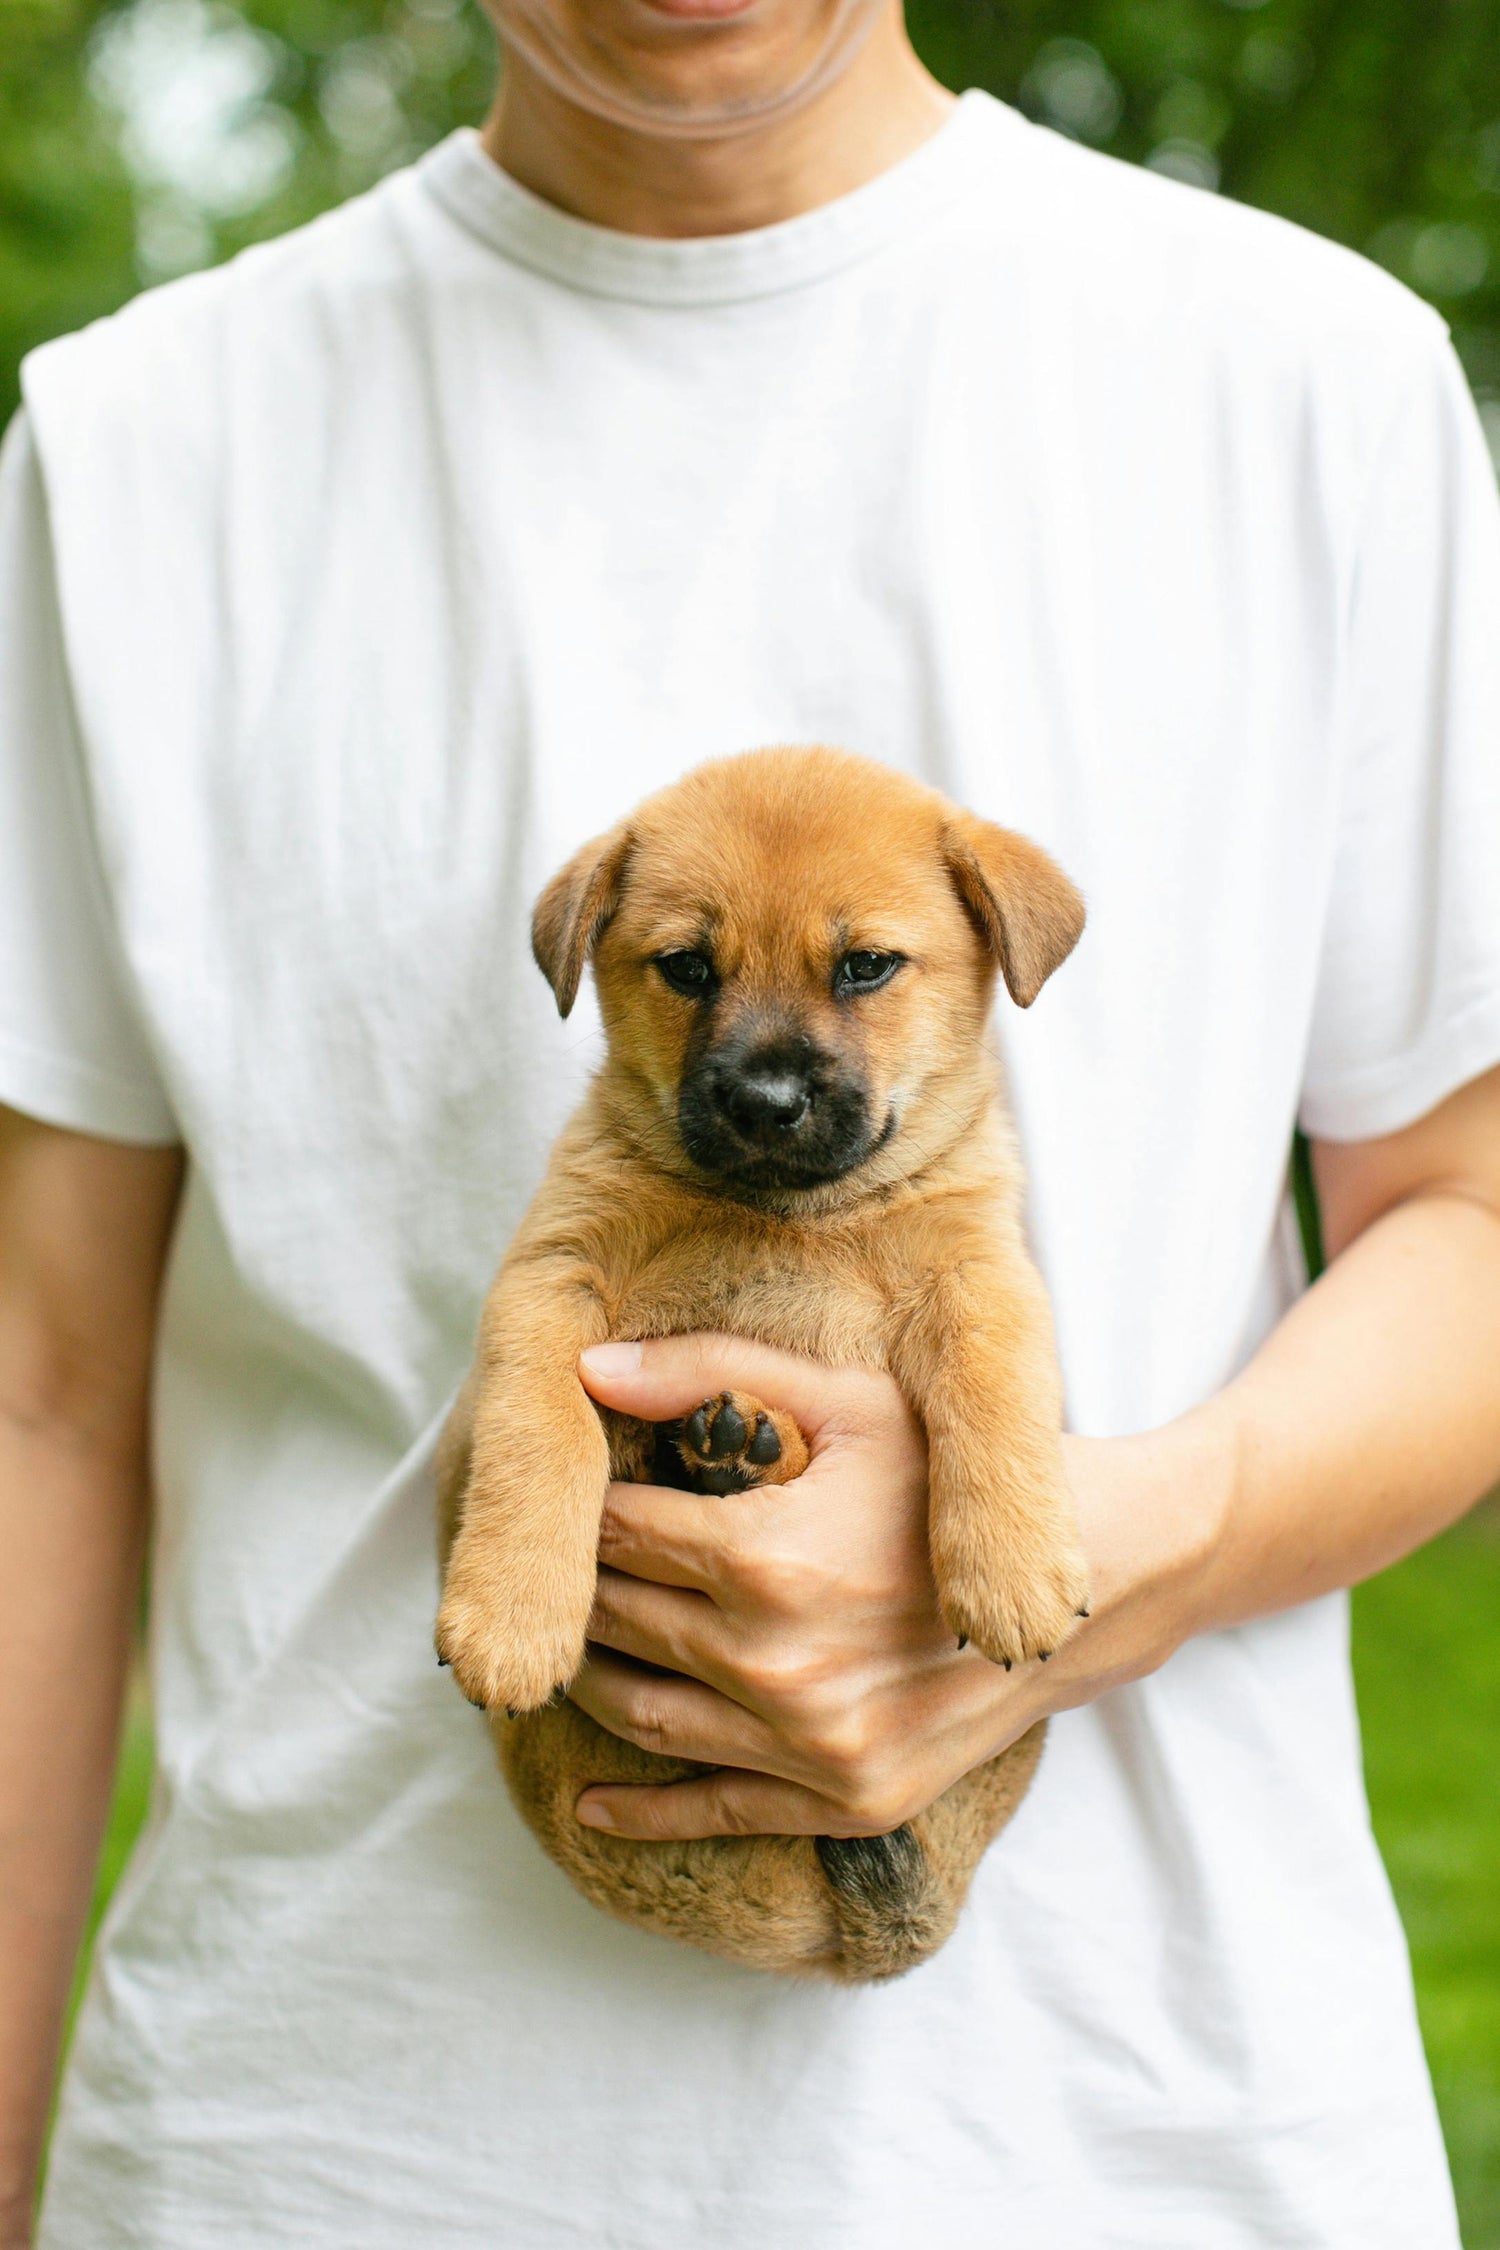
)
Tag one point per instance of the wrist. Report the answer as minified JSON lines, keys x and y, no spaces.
{"x":1201,"y":1475}
{"x":1156,"y":1512}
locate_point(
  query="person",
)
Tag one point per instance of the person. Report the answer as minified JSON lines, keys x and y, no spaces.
{"x":734,"y":385}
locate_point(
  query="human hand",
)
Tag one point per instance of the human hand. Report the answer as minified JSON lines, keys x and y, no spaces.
{"x":790,"y":1637}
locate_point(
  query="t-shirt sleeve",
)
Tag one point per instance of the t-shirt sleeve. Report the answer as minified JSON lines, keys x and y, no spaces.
{"x":73,"y":1050}
{"x":1407,"y":1007}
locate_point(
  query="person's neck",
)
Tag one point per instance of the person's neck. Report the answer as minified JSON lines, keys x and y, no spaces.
{"x":877,"y":111}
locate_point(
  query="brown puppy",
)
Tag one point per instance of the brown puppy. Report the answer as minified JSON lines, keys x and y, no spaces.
{"x":797,"y":1136}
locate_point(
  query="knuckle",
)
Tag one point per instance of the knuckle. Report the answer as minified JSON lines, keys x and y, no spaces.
{"x":877,"y":1818}
{"x":859,"y":1777}
{"x":645,"y":1720}
{"x":842,"y":1744}
{"x":731,"y":1818}
{"x":878,"y":1805}
{"x":781,"y":1581}
{"x":611,"y":1535}
{"x":781,"y":1675}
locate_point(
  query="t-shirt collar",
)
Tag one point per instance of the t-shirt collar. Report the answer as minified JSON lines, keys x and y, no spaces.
{"x":708,"y":269}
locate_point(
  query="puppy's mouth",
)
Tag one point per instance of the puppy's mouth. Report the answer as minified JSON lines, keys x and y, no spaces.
{"x":777,"y":1122}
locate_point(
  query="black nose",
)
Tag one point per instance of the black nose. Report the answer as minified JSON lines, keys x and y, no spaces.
{"x":763,"y":1103}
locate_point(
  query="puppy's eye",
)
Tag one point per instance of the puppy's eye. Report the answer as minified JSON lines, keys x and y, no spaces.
{"x":865,"y":972}
{"x":691,"y":974}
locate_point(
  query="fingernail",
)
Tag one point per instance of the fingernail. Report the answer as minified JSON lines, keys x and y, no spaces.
{"x":612,"y":1359}
{"x":594,"y":1815}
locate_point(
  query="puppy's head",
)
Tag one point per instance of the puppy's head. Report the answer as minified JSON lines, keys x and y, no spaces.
{"x":795,"y":952}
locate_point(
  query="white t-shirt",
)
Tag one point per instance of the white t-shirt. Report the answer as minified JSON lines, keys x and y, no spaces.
{"x":346,"y":589}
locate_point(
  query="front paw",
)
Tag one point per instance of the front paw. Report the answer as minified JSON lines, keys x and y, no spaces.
{"x":511,"y":1646}
{"x":1014,"y":1598}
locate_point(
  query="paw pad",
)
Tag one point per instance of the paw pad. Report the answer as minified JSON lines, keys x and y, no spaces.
{"x":718,"y":1431}
{"x":730,"y":1443}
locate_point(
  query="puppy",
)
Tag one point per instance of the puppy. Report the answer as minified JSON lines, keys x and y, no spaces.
{"x":797,"y":1135}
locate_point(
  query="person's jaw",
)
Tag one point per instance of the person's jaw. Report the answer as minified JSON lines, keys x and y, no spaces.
{"x":687,"y":117}
{"x":689,"y":69}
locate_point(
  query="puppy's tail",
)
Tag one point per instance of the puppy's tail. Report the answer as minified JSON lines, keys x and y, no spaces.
{"x":891,"y":1909}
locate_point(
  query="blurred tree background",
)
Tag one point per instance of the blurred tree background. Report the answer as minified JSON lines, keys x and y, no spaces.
{"x":140,"y":140}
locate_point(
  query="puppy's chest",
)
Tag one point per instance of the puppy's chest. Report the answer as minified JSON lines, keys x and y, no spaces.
{"x":814,"y":1299}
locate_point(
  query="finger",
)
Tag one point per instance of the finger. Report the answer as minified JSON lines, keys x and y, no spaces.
{"x":669,"y":1626}
{"x":729,"y":1803}
{"x":672,"y":1538}
{"x":673,"y":1374}
{"x":671,"y":1715}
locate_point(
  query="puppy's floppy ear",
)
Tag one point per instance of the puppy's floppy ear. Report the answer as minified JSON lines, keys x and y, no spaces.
{"x":1020,"y":901}
{"x":575,"y":910}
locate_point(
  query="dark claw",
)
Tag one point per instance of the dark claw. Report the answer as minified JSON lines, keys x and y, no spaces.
{"x":1080,"y":1613}
{"x":1005,"y":1660}
{"x":1044,"y":1656}
{"x":963,"y":1640}
{"x":728,"y":1433}
{"x":765,"y":1446}
{"x":511,"y":1712}
{"x":695,"y":1430}
{"x":442,"y":1663}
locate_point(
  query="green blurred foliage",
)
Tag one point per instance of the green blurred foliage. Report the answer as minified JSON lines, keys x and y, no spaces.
{"x":67,"y":228}
{"x":141,"y":139}
{"x":138,"y":141}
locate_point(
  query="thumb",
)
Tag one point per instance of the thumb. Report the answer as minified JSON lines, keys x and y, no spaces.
{"x":670,"y":1375}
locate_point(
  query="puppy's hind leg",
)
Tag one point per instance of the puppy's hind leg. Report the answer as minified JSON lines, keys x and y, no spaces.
{"x":732,"y":1443}
{"x":897,"y":1897}
{"x":892,"y":1909}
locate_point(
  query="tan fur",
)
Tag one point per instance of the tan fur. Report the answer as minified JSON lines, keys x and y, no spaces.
{"x":914,"y":1262}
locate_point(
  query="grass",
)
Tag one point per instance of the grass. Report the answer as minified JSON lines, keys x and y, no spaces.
{"x":1427,"y":1661}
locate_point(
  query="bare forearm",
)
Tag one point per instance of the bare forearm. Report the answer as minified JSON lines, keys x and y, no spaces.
{"x":71,"y":1531}
{"x":1369,"y":1419}
{"x":84,"y":1228}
